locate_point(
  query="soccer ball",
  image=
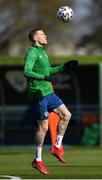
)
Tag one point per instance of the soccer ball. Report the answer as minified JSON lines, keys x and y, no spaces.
{"x":65,"y":14}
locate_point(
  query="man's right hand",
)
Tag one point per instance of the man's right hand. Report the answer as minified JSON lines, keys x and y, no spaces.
{"x":50,"y":79}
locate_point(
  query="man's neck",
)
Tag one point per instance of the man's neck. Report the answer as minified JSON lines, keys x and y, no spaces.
{"x":38,"y":44}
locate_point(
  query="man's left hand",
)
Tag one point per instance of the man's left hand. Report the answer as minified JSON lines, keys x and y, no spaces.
{"x":72,"y":64}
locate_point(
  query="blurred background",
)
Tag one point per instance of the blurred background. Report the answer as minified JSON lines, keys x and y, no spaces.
{"x":80,"y":90}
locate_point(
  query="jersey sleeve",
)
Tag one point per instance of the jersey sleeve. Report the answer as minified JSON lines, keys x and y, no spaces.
{"x":29,"y":61}
{"x":57,"y":69}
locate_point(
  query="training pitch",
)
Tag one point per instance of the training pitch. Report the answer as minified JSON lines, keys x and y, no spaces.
{"x":82,"y":163}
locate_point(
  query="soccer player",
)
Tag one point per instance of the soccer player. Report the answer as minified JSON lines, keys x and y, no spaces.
{"x":39,"y":75}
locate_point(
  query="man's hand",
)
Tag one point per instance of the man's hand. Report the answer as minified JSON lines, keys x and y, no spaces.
{"x":72,"y":64}
{"x":50,"y":79}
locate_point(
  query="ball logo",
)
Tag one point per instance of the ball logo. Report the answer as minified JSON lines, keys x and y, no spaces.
{"x":46,"y":114}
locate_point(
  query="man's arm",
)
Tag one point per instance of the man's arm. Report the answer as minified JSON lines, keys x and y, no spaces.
{"x":68,"y":65}
{"x":57,"y":69}
{"x":30,"y":59}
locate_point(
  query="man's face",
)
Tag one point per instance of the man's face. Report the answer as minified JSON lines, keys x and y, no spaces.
{"x":40,"y":37}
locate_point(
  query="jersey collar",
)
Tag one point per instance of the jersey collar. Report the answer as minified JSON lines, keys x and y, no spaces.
{"x":35,"y":45}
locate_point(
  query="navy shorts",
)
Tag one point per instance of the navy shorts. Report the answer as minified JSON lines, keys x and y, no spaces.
{"x":44,"y":106}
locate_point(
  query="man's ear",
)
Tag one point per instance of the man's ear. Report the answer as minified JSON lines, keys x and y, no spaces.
{"x":35,"y":38}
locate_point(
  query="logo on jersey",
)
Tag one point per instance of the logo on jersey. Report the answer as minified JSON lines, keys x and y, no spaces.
{"x":46,"y":114}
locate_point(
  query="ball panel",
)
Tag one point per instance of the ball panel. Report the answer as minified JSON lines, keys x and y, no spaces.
{"x":65,"y":14}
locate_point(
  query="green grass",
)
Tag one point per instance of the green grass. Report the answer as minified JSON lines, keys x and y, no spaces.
{"x":6,"y":60}
{"x":82,"y":163}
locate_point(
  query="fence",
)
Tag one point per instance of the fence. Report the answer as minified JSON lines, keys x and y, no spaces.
{"x":78,"y":90}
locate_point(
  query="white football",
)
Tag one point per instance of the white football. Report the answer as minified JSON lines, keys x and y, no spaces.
{"x":65,"y":14}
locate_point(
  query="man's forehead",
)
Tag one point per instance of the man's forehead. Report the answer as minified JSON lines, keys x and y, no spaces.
{"x":40,"y":32}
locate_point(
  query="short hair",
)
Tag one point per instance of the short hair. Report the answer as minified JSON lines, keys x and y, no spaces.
{"x":32,"y":33}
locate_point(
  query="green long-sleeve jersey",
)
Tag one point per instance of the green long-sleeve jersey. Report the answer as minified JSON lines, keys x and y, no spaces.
{"x":36,"y":67}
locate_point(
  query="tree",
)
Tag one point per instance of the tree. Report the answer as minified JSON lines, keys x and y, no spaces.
{"x":94,"y":22}
{"x":17,"y":17}
{"x":14,"y":19}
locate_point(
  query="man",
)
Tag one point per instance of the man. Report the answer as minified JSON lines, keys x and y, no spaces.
{"x":39,"y":73}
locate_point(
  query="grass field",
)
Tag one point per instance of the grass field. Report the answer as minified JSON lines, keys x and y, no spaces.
{"x":7,"y":60}
{"x":81,"y":163}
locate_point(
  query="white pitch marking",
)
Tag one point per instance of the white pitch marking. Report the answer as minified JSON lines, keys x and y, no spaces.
{"x":10,"y":177}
